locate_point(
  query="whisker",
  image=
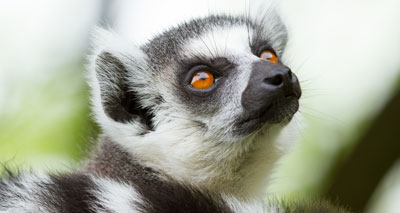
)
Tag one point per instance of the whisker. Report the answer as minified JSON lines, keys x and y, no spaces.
{"x":215,"y":43}
{"x":209,"y":50}
{"x":320,"y":115}
{"x":226,"y":40}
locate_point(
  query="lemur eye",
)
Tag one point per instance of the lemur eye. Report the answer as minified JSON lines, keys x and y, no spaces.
{"x":202,"y":79}
{"x":269,"y":56}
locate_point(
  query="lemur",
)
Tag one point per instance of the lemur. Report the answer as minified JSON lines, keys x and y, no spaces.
{"x":192,"y":120}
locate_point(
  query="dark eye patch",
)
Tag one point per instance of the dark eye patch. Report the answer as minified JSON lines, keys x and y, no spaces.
{"x":206,"y":99}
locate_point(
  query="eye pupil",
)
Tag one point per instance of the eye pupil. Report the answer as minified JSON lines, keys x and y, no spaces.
{"x":202,"y":80}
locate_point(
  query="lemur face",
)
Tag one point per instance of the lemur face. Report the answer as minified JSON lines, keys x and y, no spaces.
{"x":221,"y":76}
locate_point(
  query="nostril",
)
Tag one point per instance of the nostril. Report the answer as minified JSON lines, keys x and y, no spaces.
{"x":276,"y":80}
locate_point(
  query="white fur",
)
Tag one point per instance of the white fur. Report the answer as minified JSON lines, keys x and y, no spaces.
{"x":253,"y":205}
{"x":116,"y":197}
{"x":212,"y":165}
{"x":25,"y":195}
{"x":220,"y":42}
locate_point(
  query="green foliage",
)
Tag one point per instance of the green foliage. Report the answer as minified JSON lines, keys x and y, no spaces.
{"x":49,"y":125}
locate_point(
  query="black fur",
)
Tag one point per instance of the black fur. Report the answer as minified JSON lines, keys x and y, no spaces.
{"x":70,"y":193}
{"x":174,"y":197}
{"x":160,"y":195}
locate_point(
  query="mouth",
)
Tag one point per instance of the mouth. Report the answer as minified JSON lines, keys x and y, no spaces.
{"x":280,"y":111}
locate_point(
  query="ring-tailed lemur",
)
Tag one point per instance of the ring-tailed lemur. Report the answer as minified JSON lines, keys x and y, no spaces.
{"x":193,"y":121}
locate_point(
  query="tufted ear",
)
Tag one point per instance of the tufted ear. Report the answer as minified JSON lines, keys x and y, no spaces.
{"x":119,"y":99}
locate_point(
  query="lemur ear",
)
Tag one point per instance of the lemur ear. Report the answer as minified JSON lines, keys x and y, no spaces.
{"x":119,"y":100}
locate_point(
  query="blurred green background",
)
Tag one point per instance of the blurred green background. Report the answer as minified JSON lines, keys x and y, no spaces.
{"x":346,"y":54}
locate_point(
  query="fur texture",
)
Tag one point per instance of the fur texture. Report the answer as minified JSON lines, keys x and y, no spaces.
{"x":167,"y":147}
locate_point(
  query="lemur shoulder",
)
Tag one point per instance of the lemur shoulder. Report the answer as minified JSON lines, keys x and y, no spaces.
{"x":193,"y":121}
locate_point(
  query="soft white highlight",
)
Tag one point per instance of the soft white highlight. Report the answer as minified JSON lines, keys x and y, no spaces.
{"x":116,"y":197}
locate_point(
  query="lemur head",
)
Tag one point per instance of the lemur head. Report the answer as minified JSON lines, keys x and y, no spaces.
{"x":221,"y":75}
{"x":202,"y":89}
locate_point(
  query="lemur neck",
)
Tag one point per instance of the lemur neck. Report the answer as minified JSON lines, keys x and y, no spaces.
{"x":238,"y":169}
{"x":112,"y":161}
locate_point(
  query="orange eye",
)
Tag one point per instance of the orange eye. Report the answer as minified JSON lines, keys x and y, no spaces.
{"x":269,"y":56}
{"x":202,"y":80}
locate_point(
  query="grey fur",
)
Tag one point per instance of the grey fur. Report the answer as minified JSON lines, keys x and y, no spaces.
{"x":166,"y":146}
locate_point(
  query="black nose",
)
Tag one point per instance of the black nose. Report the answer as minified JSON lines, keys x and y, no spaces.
{"x":270,"y":85}
{"x":269,"y":79}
